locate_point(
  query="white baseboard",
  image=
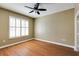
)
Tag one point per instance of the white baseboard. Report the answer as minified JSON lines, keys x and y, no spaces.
{"x":39,"y":40}
{"x":56,"y":43}
{"x":14,"y":43}
{"x":76,"y":48}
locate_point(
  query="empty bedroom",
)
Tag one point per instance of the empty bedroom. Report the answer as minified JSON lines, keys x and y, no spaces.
{"x":39,"y":29}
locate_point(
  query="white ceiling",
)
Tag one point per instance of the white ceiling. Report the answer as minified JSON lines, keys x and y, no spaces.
{"x":51,"y":8}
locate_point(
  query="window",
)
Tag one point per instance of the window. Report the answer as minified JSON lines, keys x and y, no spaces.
{"x":18,"y":27}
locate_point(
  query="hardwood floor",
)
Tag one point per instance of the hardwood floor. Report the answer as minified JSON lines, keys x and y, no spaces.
{"x":37,"y":48}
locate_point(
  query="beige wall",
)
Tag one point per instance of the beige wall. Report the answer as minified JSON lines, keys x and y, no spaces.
{"x":4,"y":27}
{"x":76,"y":7}
{"x":58,"y":27}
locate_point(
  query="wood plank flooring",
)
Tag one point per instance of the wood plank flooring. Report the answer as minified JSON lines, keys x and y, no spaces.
{"x":37,"y":48}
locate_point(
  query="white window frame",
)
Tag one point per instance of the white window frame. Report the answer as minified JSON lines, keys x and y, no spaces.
{"x":26,"y":28}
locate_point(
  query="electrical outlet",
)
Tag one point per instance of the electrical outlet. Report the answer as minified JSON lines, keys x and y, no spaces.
{"x":4,"y":41}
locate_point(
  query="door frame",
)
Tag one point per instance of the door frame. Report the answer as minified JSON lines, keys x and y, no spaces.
{"x":75,"y":32}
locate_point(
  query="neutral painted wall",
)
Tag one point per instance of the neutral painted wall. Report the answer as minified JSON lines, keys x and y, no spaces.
{"x":76,"y":7}
{"x":4,"y":27}
{"x":58,"y":27}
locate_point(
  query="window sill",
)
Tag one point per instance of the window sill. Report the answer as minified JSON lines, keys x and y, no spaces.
{"x":18,"y":37}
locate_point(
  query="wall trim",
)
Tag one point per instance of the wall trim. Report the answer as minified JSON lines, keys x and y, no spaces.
{"x":55,"y":43}
{"x":76,"y":48}
{"x":5,"y":46}
{"x":75,"y":32}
